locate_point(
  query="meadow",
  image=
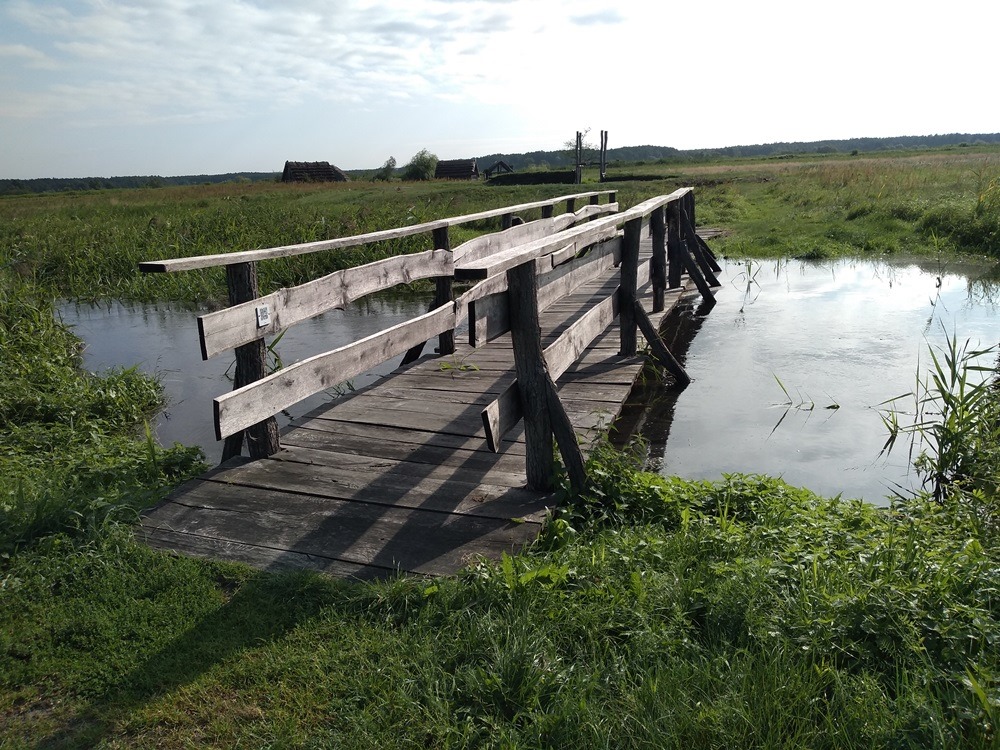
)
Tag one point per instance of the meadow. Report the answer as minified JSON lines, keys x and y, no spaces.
{"x":654,"y":612}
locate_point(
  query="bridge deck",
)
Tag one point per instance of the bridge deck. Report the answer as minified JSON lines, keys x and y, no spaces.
{"x":397,"y":476}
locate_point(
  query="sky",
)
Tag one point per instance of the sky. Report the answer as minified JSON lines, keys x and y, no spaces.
{"x":175,"y":87}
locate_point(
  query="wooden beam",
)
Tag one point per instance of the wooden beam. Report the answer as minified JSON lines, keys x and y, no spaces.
{"x":487,"y":300}
{"x":581,"y":236}
{"x":444,"y":293}
{"x":675,"y":245}
{"x":629,"y":285}
{"x":504,"y":412}
{"x":264,"y":398}
{"x":234,"y":326}
{"x":658,"y":263}
{"x":661,"y":353}
{"x":285,"y":251}
{"x":251,"y":366}
{"x":529,"y":364}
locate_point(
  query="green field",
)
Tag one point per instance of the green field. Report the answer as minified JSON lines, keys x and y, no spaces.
{"x":654,"y":613}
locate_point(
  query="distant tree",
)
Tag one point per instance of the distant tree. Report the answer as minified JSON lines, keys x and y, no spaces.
{"x":421,"y":166}
{"x":386,"y":171}
{"x":589,"y":154}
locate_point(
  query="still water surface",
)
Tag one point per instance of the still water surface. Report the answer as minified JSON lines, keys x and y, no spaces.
{"x":846,"y":334}
{"x":163,"y":340}
{"x":842,"y":338}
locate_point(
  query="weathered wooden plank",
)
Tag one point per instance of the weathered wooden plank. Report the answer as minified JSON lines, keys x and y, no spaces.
{"x":489,"y":317}
{"x":495,"y":242}
{"x":260,"y":555}
{"x":407,"y":435}
{"x":226,"y":329}
{"x":285,"y":251}
{"x":561,"y":281}
{"x":252,"y":403}
{"x":399,"y":484}
{"x":386,"y":537}
{"x":314,"y":447}
{"x":580,"y":237}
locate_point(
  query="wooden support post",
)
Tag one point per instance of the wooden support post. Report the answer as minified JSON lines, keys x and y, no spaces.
{"x":570,"y":205}
{"x":547,"y":211}
{"x":675,"y":245}
{"x":579,"y":158}
{"x":661,"y":353}
{"x":506,"y":221}
{"x":529,"y":364}
{"x":701,"y":251}
{"x":627,"y":288}
{"x":562,"y":427}
{"x":594,"y":201}
{"x":612,"y":197}
{"x":694,"y":271}
{"x":658,"y":264}
{"x":251,"y":365}
{"x":444,"y":292}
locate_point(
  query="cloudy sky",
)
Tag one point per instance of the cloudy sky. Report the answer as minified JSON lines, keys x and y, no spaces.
{"x":123,"y":87}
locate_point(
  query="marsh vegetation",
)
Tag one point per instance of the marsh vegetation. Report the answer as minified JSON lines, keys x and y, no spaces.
{"x":656,"y":612}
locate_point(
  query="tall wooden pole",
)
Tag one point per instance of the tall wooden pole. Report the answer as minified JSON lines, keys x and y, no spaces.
{"x":251,"y":365}
{"x":627,"y":287}
{"x":529,"y":358}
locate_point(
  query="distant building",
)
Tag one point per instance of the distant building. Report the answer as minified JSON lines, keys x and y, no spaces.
{"x":457,"y":169}
{"x":501,"y":167}
{"x":312,"y":171}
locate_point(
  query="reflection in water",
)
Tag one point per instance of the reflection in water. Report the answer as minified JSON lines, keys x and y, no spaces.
{"x":163,"y":340}
{"x":790,"y":369}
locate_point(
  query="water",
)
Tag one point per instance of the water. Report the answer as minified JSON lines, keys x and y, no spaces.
{"x":163,"y":340}
{"x":842,"y":338}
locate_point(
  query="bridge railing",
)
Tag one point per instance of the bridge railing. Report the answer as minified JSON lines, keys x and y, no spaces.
{"x":517,"y":283}
{"x":257,"y":395}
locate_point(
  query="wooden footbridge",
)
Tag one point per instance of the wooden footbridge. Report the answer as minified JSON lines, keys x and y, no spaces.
{"x":451,"y":456}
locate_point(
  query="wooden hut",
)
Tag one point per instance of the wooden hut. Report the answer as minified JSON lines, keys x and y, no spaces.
{"x":456,"y":169}
{"x":312,"y":171}
{"x":501,"y":167}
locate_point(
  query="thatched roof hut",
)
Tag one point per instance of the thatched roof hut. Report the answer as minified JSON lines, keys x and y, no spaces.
{"x":457,"y":169}
{"x":312,"y":171}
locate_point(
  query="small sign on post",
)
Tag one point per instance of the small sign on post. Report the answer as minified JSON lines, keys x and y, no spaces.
{"x":263,"y":316}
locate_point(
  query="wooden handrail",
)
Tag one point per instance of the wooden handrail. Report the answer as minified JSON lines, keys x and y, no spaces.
{"x":174,"y":265}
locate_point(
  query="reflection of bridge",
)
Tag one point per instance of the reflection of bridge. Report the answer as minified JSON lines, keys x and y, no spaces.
{"x":451,"y":456}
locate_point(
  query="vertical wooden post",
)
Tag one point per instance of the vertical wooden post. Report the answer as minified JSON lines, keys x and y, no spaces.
{"x":594,"y":201}
{"x":675,"y":245}
{"x":579,"y":158}
{"x":506,"y":221}
{"x":547,"y":211}
{"x":251,"y":365}
{"x":570,"y":205}
{"x":444,"y":292}
{"x":612,"y":196}
{"x":658,"y":265}
{"x":627,"y":287}
{"x":529,"y":364}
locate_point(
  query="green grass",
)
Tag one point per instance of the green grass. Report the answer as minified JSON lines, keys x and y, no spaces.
{"x":744,"y":613}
